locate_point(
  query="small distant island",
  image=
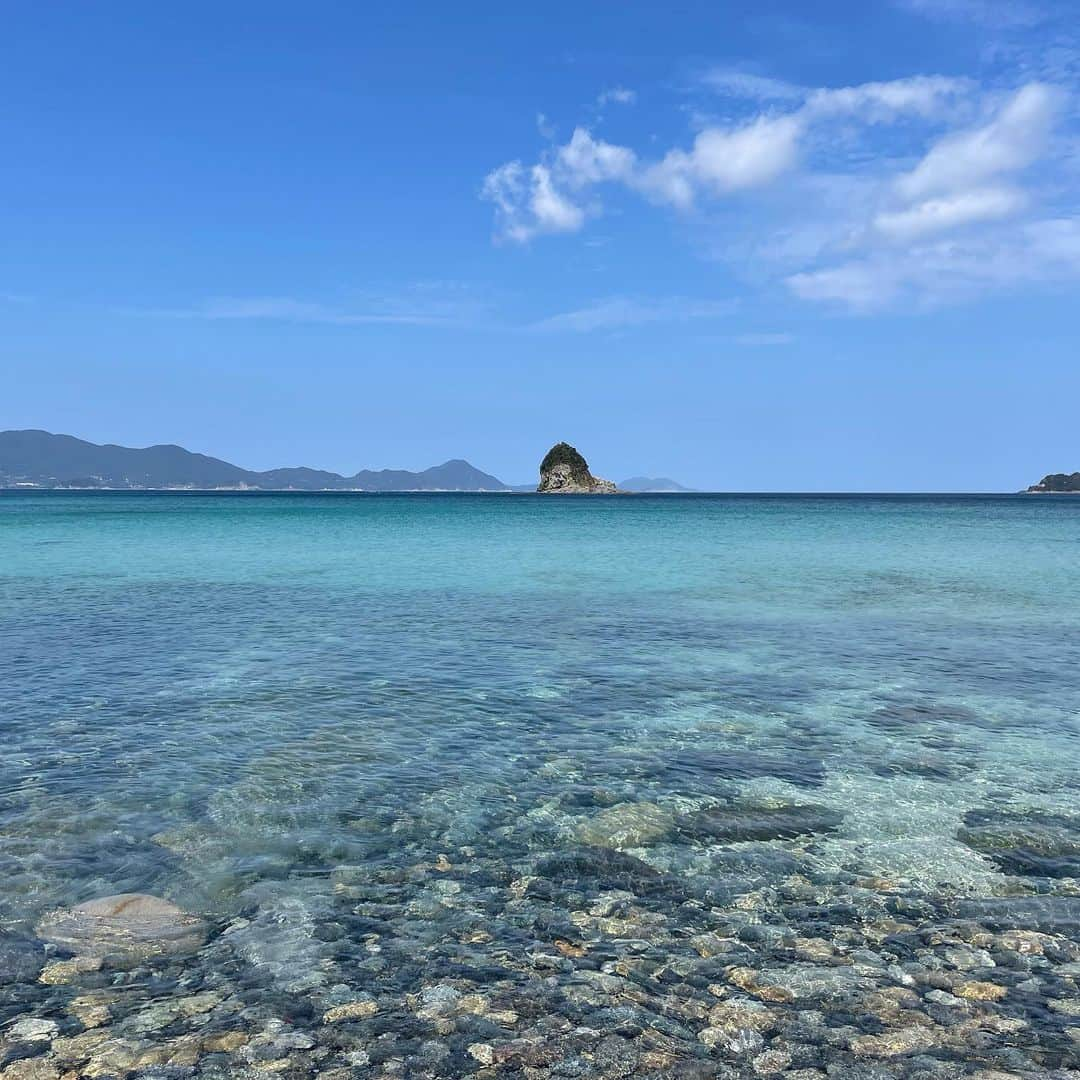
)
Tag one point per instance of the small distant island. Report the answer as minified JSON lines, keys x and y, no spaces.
{"x":565,"y":472}
{"x":1057,"y":484}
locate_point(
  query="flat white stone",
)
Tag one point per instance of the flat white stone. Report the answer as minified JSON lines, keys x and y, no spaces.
{"x":130,"y":924}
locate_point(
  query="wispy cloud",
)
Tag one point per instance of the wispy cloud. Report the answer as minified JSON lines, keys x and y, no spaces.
{"x":920,"y":94}
{"x":950,"y":212}
{"x":620,"y":312}
{"x":1042,"y":252}
{"x":423,"y":305}
{"x":958,"y":222}
{"x":289,"y":310}
{"x":882,"y":102}
{"x":994,"y":14}
{"x":764,"y":340}
{"x":1012,"y":140}
{"x":735,"y":83}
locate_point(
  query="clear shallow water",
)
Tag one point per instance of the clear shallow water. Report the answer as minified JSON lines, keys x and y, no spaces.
{"x":290,"y":714}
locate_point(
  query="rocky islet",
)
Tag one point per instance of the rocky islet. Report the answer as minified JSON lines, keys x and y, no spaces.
{"x":565,"y":472}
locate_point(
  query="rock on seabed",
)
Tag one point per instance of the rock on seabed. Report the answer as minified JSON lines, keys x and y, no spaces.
{"x":133,"y":925}
{"x":627,"y":825}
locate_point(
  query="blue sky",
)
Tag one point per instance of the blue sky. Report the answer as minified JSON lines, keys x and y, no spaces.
{"x":751,"y":245}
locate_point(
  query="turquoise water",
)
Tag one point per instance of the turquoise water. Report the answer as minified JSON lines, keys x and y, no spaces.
{"x":286,"y":713}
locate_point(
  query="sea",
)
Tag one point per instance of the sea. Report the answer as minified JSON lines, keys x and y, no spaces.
{"x":515,"y":785}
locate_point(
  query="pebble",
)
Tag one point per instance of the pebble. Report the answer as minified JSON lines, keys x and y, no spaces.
{"x":37,"y":1068}
{"x":981,"y":991}
{"x":1068,"y":1006}
{"x":482,"y":1052}
{"x":772,"y":1061}
{"x":32,"y":1029}
{"x":225,"y":1042}
{"x":908,"y":1040}
{"x":734,"y":1015}
{"x":735,"y":1040}
{"x":60,"y":972}
{"x":91,"y":1010}
{"x":352,"y":1010}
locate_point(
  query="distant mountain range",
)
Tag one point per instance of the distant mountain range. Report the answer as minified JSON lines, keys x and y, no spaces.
{"x":41,"y":459}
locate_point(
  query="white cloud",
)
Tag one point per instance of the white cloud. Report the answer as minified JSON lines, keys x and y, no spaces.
{"x":877,"y":102}
{"x":1012,"y":140}
{"x":618,"y":312}
{"x":950,"y":212}
{"x":585,"y":160}
{"x":957,"y":185}
{"x":506,"y":188}
{"x":544,"y":197}
{"x":551,"y":210}
{"x":725,"y":160}
{"x":549,"y":196}
{"x":857,"y":214}
{"x":528,"y":202}
{"x":617,"y":95}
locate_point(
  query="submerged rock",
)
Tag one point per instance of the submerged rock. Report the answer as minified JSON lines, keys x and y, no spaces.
{"x":1031,"y":845}
{"x":906,"y":717}
{"x":33,"y":1029}
{"x":690,"y":770}
{"x":131,"y":925}
{"x":20,"y":959}
{"x":1044,"y":914}
{"x":565,"y":472}
{"x":351,"y":1010}
{"x":931,"y":766}
{"x":627,"y":825}
{"x":741,"y":822}
{"x":35,"y":1068}
{"x":599,"y":866}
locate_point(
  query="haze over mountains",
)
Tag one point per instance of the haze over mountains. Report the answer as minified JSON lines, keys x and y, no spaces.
{"x":643,"y":484}
{"x":41,"y":459}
